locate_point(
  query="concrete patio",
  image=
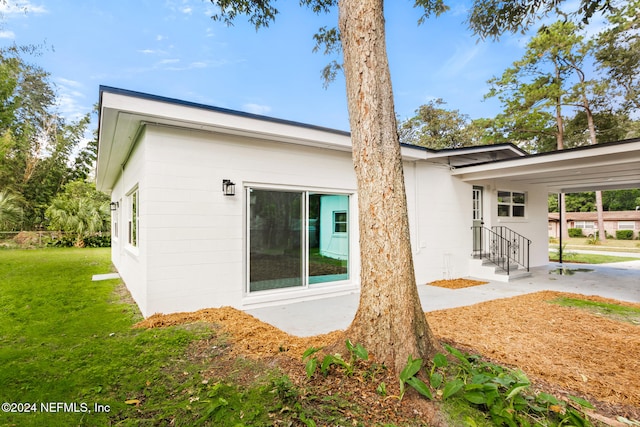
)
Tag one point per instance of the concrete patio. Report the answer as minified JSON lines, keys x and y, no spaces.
{"x":619,"y":281}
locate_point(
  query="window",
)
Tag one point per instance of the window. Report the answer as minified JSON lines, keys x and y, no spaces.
{"x":339,"y":221}
{"x":296,"y":238}
{"x":626,"y":225}
{"x":584,"y":225}
{"x":115,"y":215}
{"x":511,"y":204}
{"x":134,"y":217}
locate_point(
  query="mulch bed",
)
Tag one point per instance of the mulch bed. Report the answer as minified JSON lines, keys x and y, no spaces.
{"x":566,"y":349}
{"x":456,"y":283}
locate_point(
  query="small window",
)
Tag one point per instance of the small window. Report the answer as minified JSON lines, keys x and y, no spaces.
{"x":585,"y":225}
{"x":339,"y":221}
{"x":626,"y":225}
{"x":511,"y":204}
{"x":134,"y":217}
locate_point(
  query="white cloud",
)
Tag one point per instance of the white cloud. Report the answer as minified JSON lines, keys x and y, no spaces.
{"x":67,"y":82}
{"x":7,"y":34}
{"x":70,"y":98}
{"x":187,"y":10}
{"x":256,"y":108}
{"x":173,"y":65}
{"x":21,"y":8}
{"x":461,"y":58}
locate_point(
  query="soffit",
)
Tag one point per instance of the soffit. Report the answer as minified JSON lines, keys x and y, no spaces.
{"x":600,"y":167}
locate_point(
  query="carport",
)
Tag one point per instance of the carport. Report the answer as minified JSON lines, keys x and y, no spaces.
{"x":606,"y":166}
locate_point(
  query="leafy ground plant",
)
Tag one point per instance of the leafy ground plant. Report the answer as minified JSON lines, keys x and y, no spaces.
{"x":503,"y":395}
{"x":356,"y":352}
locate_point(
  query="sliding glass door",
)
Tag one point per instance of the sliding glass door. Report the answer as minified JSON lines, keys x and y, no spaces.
{"x":275,"y":239}
{"x":296,"y":238}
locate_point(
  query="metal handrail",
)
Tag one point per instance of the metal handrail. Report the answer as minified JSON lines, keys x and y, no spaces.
{"x":502,"y":246}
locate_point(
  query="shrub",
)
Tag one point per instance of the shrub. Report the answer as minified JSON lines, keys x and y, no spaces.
{"x":624,"y":234}
{"x":28,"y":239}
{"x":575,"y":232}
{"x":97,"y":241}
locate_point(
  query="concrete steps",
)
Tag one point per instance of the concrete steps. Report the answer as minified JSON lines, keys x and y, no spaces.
{"x":483,"y":269}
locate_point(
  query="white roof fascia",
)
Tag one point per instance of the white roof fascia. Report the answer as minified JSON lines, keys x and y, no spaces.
{"x":472,"y":150}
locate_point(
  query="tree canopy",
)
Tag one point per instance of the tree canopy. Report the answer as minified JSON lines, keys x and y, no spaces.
{"x":40,"y":151}
{"x":436,"y":127}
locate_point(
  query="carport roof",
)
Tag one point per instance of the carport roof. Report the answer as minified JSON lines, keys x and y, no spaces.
{"x":606,"y":166}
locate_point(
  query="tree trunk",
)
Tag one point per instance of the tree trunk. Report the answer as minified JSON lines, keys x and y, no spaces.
{"x":602,"y":234}
{"x":390,"y":321}
{"x":560,"y":146}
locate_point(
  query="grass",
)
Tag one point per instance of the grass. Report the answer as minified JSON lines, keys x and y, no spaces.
{"x":67,"y":345}
{"x":612,"y":311}
{"x":583,"y":258}
{"x":610,"y":245}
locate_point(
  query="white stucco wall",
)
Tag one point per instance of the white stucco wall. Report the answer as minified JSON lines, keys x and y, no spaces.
{"x":440,"y":217}
{"x":192,"y":250}
{"x":131,"y":261}
{"x":195,"y":236}
{"x":533,"y":226}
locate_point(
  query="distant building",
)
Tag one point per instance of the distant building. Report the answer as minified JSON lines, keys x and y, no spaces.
{"x":588,"y":222}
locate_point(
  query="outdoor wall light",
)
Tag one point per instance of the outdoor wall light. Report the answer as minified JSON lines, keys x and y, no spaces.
{"x":228,"y":187}
{"x":113,"y":206}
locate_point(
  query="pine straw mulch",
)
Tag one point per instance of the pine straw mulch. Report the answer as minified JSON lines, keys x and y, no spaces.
{"x":456,"y":283}
{"x":562,"y":349}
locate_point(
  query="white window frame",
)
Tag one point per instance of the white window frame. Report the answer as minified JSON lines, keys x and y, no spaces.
{"x":585,"y":225}
{"x":345,"y":222}
{"x":306,"y":286}
{"x":626,"y":225}
{"x":115,"y":228}
{"x":511,"y":204}
{"x":133,"y":218}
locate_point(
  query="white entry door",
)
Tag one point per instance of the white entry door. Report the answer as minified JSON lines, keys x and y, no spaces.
{"x":477,"y":217}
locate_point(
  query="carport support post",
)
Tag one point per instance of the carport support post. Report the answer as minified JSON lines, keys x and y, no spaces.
{"x":560,"y":227}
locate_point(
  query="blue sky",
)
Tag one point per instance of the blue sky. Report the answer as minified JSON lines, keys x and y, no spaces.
{"x":173,"y":48}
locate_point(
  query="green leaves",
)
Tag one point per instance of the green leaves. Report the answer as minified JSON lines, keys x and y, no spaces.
{"x":504,"y":395}
{"x":356,"y":352}
{"x":407,"y":376}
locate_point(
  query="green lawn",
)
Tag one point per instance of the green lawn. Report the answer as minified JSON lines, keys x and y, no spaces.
{"x":569,"y":256}
{"x":68,"y":354}
{"x":610,"y":245}
{"x":617,"y":312}
{"x":70,"y":357}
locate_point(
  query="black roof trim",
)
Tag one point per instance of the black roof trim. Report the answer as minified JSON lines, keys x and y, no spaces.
{"x":556,"y":152}
{"x":147,"y":96}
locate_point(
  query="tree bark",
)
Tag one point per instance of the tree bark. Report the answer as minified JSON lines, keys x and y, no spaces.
{"x":390,"y":321}
{"x":602,"y":234}
{"x":560,"y":146}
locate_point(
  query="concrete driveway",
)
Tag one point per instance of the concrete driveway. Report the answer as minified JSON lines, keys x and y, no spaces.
{"x":619,"y":281}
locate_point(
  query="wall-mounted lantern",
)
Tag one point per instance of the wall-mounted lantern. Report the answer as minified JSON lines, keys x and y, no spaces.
{"x":113,"y":206}
{"x":228,"y":187}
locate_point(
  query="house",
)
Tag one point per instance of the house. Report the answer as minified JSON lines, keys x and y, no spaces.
{"x":588,"y":222}
{"x":213,"y":207}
